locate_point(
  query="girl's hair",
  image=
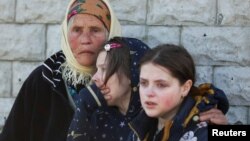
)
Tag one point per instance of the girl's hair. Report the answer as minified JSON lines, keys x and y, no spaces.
{"x":118,"y":59}
{"x":174,"y":58}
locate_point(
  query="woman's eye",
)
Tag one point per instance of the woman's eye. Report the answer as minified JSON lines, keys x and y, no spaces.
{"x":76,"y":30}
{"x":95,"y":30}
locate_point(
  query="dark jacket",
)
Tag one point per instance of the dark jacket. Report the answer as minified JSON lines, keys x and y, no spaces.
{"x":185,"y":125}
{"x":95,"y":121}
{"x":42,"y":111}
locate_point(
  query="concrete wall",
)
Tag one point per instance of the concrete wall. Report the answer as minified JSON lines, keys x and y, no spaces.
{"x":215,"y":32}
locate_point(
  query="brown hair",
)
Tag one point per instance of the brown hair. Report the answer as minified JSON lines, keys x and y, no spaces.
{"x":118,"y":59}
{"x":174,"y":58}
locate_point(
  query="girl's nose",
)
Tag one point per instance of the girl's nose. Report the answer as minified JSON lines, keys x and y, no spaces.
{"x":149,"y":92}
{"x":97,"y":79}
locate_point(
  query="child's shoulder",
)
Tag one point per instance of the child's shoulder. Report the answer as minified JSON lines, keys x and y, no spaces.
{"x":197,"y":132}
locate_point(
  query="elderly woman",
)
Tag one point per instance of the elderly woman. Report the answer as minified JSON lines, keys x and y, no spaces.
{"x":45,"y":105}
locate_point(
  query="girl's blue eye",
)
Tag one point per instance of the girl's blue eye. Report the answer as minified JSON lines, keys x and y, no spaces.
{"x":161,"y":85}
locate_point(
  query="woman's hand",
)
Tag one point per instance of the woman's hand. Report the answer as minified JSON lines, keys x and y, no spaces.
{"x":214,"y":116}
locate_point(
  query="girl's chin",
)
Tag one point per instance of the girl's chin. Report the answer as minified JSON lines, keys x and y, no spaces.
{"x":150,"y":114}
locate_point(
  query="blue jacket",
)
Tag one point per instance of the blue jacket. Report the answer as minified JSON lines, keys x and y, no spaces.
{"x":93,"y":120}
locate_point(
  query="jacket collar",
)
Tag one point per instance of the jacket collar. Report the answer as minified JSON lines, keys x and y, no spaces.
{"x":143,"y":125}
{"x":51,"y":71}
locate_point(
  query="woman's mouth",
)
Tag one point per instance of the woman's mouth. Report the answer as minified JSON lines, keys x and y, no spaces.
{"x":87,"y":52}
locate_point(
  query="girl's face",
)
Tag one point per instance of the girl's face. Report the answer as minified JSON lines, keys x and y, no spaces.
{"x":161,"y":94}
{"x":120,"y":89}
{"x":86,"y":36}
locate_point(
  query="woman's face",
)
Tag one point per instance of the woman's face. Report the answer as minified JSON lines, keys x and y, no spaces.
{"x":119,"y":86}
{"x":86,"y":36}
{"x":161,"y":94}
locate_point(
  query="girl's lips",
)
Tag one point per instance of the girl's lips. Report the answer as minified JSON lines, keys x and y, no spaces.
{"x":150,"y":104}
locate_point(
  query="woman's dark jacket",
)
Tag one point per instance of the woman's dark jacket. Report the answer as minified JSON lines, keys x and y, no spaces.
{"x":42,"y":111}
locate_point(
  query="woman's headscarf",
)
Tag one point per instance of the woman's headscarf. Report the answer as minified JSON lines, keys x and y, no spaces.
{"x":73,"y":72}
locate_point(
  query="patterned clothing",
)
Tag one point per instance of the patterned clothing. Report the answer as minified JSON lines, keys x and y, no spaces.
{"x":185,"y":126}
{"x":94,"y":122}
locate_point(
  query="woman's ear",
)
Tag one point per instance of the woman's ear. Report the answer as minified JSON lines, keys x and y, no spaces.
{"x":186,"y":87}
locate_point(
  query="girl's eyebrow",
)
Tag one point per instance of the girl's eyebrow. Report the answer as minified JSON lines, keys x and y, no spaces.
{"x":142,"y":78}
{"x":157,"y":80}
